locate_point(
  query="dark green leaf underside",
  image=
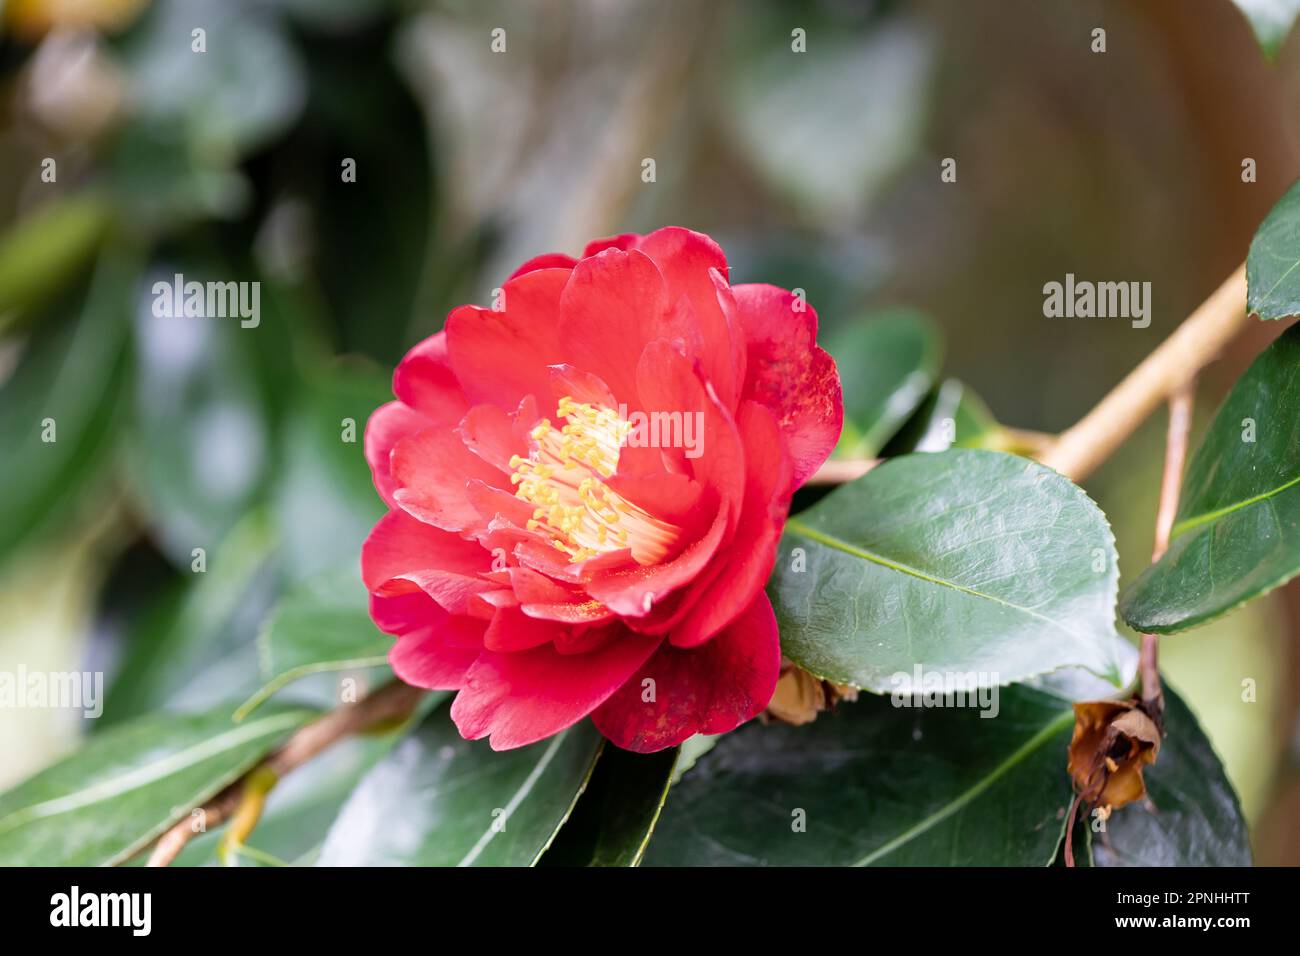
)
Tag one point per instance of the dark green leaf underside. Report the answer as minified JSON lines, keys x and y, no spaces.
{"x":440,"y":800}
{"x":613,"y":822}
{"x":877,"y":785}
{"x":888,"y":365}
{"x":952,"y":416}
{"x":874,"y":784}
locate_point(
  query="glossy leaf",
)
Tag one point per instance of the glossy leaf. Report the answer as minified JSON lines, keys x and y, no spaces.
{"x":61,"y":406}
{"x":320,"y":628}
{"x":1237,"y":532}
{"x":871,"y":784}
{"x":887,"y":366}
{"x":951,"y":416}
{"x":613,"y":821}
{"x":301,"y":807}
{"x":439,"y":800}
{"x":325,"y":503}
{"x":369,"y":235}
{"x":874,"y":784}
{"x":44,"y":252}
{"x":196,"y":647}
{"x":1273,"y":264}
{"x":863,"y":144}
{"x":204,"y":427}
{"x":126,"y":785}
{"x":245,"y":88}
{"x":1271,"y":20}
{"x":959,"y":561}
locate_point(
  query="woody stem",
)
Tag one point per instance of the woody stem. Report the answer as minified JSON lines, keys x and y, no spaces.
{"x":242,"y":801}
{"x":1176,"y":441}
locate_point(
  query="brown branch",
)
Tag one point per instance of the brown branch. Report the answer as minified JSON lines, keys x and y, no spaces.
{"x":1174,"y":363}
{"x":1022,"y":441}
{"x":839,"y":471}
{"x":395,"y":701}
{"x":1176,"y":440}
{"x":1069,"y":829}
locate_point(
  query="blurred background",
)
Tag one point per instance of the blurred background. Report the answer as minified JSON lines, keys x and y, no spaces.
{"x":475,"y":150}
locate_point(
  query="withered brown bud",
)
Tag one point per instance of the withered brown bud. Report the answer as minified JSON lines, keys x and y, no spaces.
{"x":800,"y":696}
{"x":1113,"y":741}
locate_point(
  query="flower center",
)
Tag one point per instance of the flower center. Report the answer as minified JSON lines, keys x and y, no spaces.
{"x":564,"y":476}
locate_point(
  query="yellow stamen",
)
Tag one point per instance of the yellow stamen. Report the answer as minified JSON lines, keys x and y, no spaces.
{"x":563,"y":478}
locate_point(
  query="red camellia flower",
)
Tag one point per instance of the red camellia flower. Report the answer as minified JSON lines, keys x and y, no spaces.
{"x":587,"y":484}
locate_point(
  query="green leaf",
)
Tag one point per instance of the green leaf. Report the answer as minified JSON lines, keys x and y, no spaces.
{"x":41,"y":254}
{"x":370,"y":238}
{"x":1237,"y":532}
{"x":243,"y":90}
{"x":125,"y":786}
{"x":439,"y":800}
{"x":876,"y":784}
{"x":68,"y":387}
{"x":951,"y":416}
{"x":196,"y":647}
{"x":1271,"y":20}
{"x":301,"y":807}
{"x":321,"y":627}
{"x":203,"y":438}
{"x":335,"y":15}
{"x":957,"y":562}
{"x":613,"y":821}
{"x":812,"y":99}
{"x":1273,"y":263}
{"x":325,"y":501}
{"x":888,"y":365}
{"x":1194,"y":818}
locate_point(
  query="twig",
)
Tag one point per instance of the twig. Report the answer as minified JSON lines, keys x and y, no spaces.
{"x":1177,"y":360}
{"x":1069,"y":829}
{"x":393,"y":701}
{"x":1176,"y":439}
{"x":839,"y":471}
{"x":1022,"y":441}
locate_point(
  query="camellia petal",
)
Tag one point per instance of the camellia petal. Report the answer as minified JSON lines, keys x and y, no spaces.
{"x":387,"y":426}
{"x":425,"y":382}
{"x":517,"y":699}
{"x":703,"y":690}
{"x":753,"y":551}
{"x":499,"y":356}
{"x":788,"y":373}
